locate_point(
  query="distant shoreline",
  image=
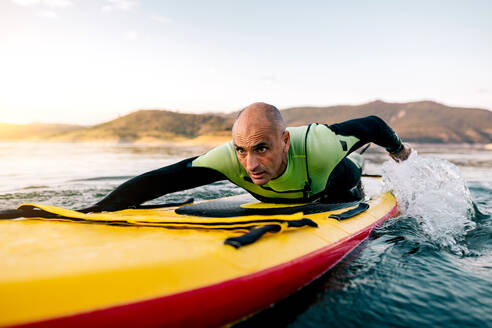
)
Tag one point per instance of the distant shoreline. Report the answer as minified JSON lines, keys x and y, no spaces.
{"x":420,"y":122}
{"x":209,"y":142}
{"x":206,"y":142}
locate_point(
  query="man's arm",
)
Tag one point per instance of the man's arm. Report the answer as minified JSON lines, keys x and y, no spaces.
{"x":153,"y":184}
{"x":373,"y":129}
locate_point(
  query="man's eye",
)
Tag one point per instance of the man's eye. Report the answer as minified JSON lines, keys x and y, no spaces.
{"x":240,"y":150}
{"x":261,"y":149}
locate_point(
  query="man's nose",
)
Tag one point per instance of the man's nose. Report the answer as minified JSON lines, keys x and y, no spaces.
{"x":251,"y":162}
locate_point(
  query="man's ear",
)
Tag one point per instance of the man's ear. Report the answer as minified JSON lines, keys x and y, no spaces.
{"x":286,"y":140}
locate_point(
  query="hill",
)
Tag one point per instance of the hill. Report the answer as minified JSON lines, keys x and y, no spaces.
{"x":153,"y":125}
{"x":423,"y":121}
{"x":34,"y":131}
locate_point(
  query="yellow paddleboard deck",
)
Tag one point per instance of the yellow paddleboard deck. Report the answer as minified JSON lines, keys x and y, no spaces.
{"x":169,"y":266}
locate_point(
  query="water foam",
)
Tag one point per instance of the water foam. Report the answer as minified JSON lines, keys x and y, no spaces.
{"x":433,"y":192}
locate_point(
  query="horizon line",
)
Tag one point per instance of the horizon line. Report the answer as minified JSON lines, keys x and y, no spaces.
{"x":181,"y":111}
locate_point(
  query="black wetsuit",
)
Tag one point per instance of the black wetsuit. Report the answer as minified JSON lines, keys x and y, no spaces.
{"x":182,"y":175}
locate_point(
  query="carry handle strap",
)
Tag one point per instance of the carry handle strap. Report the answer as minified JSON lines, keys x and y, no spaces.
{"x":256,"y":233}
{"x":350,"y":213}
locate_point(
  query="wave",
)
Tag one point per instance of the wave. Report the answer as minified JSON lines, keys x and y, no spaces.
{"x":433,"y":192}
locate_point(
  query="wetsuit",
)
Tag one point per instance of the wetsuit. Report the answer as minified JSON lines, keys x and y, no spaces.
{"x":318,"y":167}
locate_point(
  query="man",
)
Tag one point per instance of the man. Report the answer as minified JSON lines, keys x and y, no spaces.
{"x":272,"y":162}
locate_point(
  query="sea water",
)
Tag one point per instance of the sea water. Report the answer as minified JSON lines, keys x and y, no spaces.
{"x":433,"y":192}
{"x":429,"y":267}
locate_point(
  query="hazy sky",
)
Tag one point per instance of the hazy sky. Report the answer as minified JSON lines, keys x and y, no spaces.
{"x":87,"y":61}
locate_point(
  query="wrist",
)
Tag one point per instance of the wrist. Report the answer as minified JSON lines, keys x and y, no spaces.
{"x":396,"y":150}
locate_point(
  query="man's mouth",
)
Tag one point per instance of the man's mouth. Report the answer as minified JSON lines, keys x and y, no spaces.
{"x":256,"y":175}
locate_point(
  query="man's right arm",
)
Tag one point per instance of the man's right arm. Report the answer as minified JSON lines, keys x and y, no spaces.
{"x":373,"y":129}
{"x":153,"y":184}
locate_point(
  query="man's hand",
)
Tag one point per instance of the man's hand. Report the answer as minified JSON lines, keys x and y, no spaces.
{"x":402,"y":154}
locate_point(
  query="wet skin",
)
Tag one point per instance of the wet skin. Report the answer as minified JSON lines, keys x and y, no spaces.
{"x":261,"y":149}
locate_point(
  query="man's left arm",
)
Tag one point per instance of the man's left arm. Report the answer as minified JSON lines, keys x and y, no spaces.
{"x":373,"y":129}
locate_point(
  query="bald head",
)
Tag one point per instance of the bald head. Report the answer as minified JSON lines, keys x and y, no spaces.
{"x":261,"y":141}
{"x":260,"y":113}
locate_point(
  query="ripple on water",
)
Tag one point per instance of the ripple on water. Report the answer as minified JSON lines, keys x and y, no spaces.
{"x":403,"y":279}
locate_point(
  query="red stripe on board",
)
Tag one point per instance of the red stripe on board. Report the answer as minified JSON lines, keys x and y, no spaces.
{"x":224,"y":302}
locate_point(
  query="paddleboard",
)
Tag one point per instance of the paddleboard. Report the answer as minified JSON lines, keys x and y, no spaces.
{"x":206,"y":264}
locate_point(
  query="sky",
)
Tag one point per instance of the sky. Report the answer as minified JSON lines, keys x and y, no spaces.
{"x":89,"y":61}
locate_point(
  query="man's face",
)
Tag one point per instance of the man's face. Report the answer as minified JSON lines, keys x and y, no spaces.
{"x":262,"y":151}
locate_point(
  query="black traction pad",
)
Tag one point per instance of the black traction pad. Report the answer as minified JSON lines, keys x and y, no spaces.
{"x":231,"y":207}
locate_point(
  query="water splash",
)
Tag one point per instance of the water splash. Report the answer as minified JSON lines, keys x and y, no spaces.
{"x":434,"y":193}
